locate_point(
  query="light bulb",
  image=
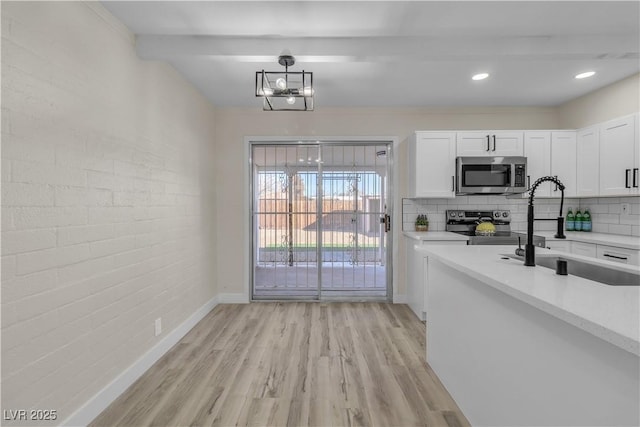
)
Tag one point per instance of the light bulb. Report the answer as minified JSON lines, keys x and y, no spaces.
{"x":480,"y":76}
{"x":291,"y":100}
{"x":585,"y":74}
{"x":307,"y":91}
{"x":281,"y":83}
{"x":267,"y":91}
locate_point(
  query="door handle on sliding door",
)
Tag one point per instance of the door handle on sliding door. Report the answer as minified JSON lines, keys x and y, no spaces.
{"x":387,"y":223}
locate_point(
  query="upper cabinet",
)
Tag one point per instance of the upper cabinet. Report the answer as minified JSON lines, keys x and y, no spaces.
{"x":431,"y":164}
{"x":588,"y":162}
{"x":551,"y":153}
{"x":636,"y":155}
{"x":537,"y":149}
{"x":619,"y":157}
{"x":600,"y":160}
{"x":490,"y":143}
{"x":563,"y":162}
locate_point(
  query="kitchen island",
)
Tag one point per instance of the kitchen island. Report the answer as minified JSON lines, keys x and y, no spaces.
{"x":518,"y":345}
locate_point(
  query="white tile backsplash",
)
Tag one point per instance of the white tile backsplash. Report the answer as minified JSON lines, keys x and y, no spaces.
{"x":605,"y":212}
{"x":607,"y":217}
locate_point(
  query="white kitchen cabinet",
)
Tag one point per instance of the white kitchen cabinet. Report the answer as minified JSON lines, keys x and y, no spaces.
{"x":490,"y":143}
{"x":418,"y":274}
{"x":588,"y":162}
{"x":432,"y":163}
{"x":559,"y":245}
{"x":563,"y":162}
{"x":635,"y":185}
{"x":537,"y":149}
{"x":584,"y":249}
{"x":619,"y":157}
{"x":551,"y":153}
{"x":616,"y":254}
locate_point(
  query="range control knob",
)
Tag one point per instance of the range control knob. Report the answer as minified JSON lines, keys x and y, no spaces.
{"x":452,"y":214}
{"x":461,"y":214}
{"x":505,"y":214}
{"x":496,"y":214}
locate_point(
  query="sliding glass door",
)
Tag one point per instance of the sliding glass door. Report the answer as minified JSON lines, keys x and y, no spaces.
{"x":319,"y":218}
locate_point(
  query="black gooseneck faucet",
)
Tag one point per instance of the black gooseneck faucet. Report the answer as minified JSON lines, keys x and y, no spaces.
{"x":529,"y":248}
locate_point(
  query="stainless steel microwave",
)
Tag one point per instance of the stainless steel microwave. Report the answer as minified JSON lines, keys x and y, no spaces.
{"x":491,"y":175}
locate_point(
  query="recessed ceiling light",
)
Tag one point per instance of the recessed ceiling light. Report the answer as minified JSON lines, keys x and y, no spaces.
{"x":585,"y":74}
{"x":480,"y":76}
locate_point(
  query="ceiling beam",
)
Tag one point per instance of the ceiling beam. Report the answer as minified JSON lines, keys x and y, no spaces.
{"x":387,"y":49}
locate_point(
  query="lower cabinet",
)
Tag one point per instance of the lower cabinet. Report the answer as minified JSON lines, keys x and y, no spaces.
{"x":615,"y":254}
{"x":584,"y":249}
{"x":593,"y":250}
{"x":417,"y":274}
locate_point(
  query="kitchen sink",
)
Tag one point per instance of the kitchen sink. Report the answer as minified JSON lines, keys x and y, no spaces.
{"x":591,"y":271}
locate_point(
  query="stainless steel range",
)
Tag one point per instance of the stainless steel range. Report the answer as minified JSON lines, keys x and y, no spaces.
{"x":465,"y":222}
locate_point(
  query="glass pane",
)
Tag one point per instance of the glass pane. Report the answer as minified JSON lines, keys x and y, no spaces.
{"x":486,"y":175}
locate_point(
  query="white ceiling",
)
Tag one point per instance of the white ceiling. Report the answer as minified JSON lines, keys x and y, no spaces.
{"x":393,"y":53}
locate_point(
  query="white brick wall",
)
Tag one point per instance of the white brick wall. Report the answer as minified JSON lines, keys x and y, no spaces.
{"x":105,"y":217}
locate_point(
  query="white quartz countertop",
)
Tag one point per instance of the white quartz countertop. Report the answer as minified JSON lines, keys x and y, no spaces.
{"x":608,"y":312}
{"x":435,"y":236}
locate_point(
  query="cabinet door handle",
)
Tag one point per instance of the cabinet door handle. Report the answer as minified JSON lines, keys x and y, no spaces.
{"x":488,"y":148}
{"x":453,"y":183}
{"x":624,"y":258}
{"x":635,"y":177}
{"x":494,"y":143}
{"x":626,"y":178}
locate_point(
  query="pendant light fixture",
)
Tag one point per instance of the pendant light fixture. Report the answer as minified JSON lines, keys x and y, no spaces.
{"x":285,"y":90}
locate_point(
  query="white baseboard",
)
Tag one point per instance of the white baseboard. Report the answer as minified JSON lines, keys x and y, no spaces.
{"x":236,"y":298}
{"x":99,"y":402}
{"x":400,"y":299}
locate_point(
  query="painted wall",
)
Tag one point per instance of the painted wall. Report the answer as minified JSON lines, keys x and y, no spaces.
{"x":106,"y":203}
{"x":233,"y":125}
{"x":610,"y":102}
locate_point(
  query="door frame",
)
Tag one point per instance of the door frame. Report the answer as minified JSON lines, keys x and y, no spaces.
{"x":392,"y":198}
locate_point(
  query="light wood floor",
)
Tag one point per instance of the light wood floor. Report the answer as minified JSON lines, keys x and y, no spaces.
{"x":293,"y":364}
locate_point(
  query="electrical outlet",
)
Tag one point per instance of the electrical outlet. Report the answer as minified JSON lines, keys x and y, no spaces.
{"x":158,"y":326}
{"x":625,"y":209}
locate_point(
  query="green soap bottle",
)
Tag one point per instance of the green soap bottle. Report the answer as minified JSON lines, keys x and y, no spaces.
{"x":570,"y":223}
{"x":586,"y":221}
{"x":578,"y":221}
